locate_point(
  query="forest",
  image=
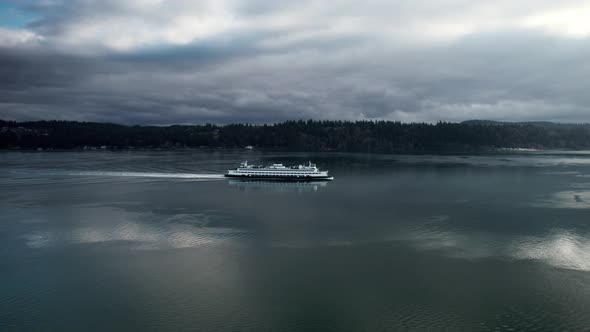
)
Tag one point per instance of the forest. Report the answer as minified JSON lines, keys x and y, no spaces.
{"x":301,"y":135}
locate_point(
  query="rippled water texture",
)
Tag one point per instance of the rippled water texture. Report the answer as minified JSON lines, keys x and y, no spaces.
{"x":97,"y":241}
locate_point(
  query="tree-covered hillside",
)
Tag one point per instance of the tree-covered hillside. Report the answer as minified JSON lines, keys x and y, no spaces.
{"x":345,"y":136}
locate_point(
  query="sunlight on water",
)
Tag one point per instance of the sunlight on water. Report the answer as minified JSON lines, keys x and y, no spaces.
{"x":559,"y":248}
{"x":176,"y":231}
{"x":570,"y":199}
{"x":141,"y":235}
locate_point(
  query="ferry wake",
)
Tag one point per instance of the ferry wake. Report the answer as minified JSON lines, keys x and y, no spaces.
{"x":309,"y":172}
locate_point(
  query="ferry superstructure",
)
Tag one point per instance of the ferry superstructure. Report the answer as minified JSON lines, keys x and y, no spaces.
{"x":309,"y":172}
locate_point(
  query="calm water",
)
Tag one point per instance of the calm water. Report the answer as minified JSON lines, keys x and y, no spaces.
{"x":160,"y":241}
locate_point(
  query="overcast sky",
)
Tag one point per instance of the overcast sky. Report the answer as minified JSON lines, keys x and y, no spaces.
{"x":262,"y":61}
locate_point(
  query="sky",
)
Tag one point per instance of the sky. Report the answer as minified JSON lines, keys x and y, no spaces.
{"x":264,"y":61}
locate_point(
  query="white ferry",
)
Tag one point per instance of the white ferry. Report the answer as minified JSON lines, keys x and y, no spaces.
{"x":308,"y":172}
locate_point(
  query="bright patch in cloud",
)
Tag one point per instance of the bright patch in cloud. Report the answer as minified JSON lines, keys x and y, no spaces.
{"x":17,"y":37}
{"x":570,"y":22}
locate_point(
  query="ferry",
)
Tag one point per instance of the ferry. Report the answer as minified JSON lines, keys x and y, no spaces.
{"x":309,"y":172}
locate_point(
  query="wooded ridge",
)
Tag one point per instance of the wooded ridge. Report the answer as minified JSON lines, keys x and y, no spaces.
{"x":309,"y":135}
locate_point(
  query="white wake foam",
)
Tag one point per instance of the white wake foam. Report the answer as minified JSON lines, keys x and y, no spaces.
{"x":150,"y":175}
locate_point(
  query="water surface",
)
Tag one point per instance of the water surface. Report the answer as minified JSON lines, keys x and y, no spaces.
{"x":161,"y":241}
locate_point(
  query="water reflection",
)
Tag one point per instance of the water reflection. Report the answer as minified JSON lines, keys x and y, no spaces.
{"x":140,"y":231}
{"x":567,"y":199}
{"x":277,"y":186}
{"x":560,"y":248}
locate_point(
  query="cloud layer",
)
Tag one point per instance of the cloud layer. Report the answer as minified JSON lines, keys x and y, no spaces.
{"x":222,"y":61}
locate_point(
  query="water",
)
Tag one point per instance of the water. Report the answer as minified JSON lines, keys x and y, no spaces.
{"x":99,"y":241}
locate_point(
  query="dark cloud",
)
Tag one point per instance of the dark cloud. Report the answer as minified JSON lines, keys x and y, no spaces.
{"x":290,"y":61}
